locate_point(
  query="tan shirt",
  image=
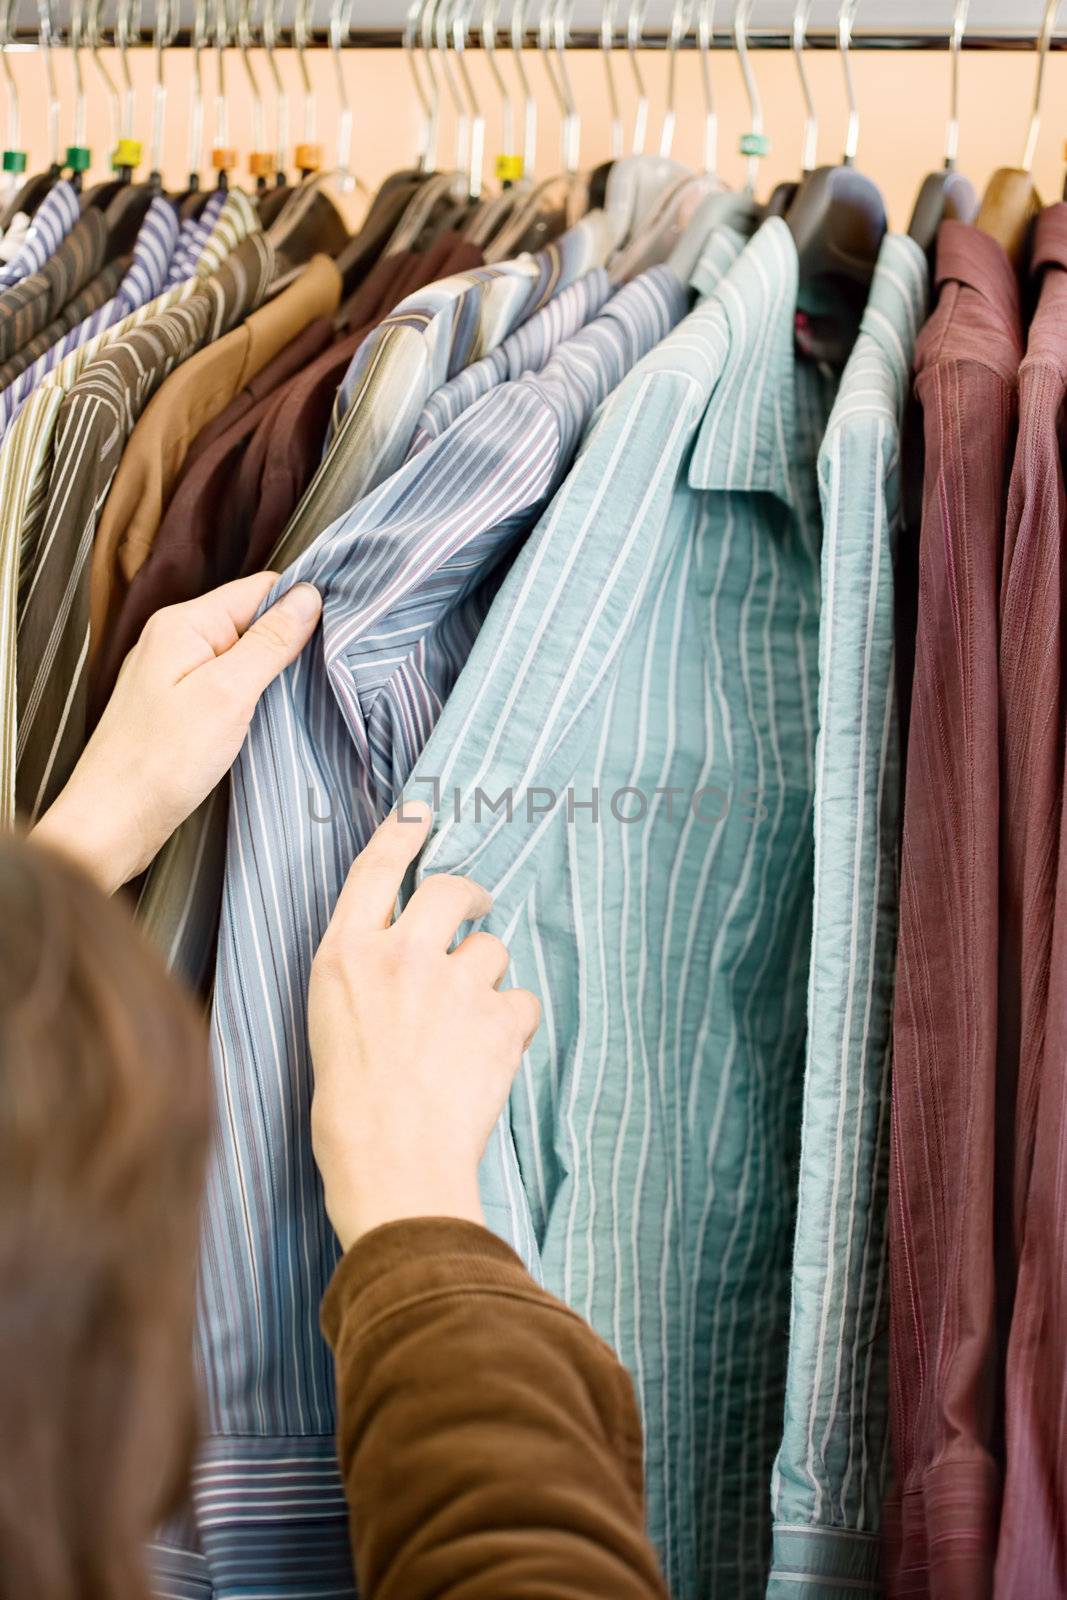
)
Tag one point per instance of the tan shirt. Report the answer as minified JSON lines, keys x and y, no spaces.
{"x":192,"y":397}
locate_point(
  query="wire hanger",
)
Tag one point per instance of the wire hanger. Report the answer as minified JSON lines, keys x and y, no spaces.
{"x":164,"y":27}
{"x":637,"y":183}
{"x":786,"y":193}
{"x":838,"y":221}
{"x":607,"y":46}
{"x":14,"y":158}
{"x":946,"y":194}
{"x":261,"y":161}
{"x":1011,"y":201}
{"x":269,"y":34}
{"x":491,"y":215}
{"x":427,"y":97}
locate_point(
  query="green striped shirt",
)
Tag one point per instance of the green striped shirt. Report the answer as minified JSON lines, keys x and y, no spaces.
{"x":654,"y":654}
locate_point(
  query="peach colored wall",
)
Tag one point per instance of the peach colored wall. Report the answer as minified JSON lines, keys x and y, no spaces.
{"x":903,"y":100}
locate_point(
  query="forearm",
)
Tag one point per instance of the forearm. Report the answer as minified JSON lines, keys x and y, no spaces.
{"x":489,"y":1441}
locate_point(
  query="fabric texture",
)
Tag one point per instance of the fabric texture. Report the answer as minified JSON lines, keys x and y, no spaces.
{"x":144,"y":279}
{"x":284,"y":455}
{"x":944,"y":1380}
{"x":830,"y":1474}
{"x":56,"y":216}
{"x":1032,"y":1043}
{"x":92,"y":430}
{"x":26,"y":462}
{"x":529,"y":1481}
{"x":156,"y":450}
{"x":34,"y":302}
{"x":198,"y":546}
{"x":406,"y":577}
{"x":96,"y":293}
{"x":644,"y":691}
{"x":416,"y":349}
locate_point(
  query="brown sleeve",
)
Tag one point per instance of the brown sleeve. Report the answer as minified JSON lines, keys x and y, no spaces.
{"x":489,"y":1441}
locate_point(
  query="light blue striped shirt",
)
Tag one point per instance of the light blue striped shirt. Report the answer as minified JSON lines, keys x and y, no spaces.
{"x":194,"y":235}
{"x":830,"y":1475}
{"x":407,"y":576}
{"x":52,"y":221}
{"x":146,"y":278}
{"x":653,"y":653}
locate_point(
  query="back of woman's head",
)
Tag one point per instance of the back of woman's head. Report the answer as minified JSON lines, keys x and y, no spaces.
{"x":103,"y":1132}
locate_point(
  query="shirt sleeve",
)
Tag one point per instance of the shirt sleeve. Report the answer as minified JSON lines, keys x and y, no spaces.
{"x":489,"y":1441}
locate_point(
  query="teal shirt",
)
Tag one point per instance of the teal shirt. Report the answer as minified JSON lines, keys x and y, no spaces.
{"x":654,"y":652}
{"x":829,"y":1478}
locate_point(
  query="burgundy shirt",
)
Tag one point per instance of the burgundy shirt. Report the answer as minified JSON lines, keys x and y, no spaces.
{"x":1032,"y":1555}
{"x":942,"y":1516}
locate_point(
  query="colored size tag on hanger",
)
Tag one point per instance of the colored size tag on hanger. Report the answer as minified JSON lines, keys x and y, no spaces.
{"x":127,"y":154}
{"x":509,"y":168}
{"x":14,"y":161}
{"x":754,"y":144}
{"x":79,"y":157}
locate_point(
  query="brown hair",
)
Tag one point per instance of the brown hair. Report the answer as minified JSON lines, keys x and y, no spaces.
{"x":103,"y":1134}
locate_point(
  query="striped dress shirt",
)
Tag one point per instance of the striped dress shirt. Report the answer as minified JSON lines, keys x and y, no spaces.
{"x":26,"y":454}
{"x":406,"y":576}
{"x":96,"y":293}
{"x":945,"y":1211}
{"x":54,"y":218}
{"x":644,"y":691}
{"x":830,"y":1474}
{"x":433,"y":335}
{"x":94,"y":424}
{"x":35,"y":301}
{"x":1032,"y":1038}
{"x":426,"y":340}
{"x":525,"y":350}
{"x":154,"y":251}
{"x":194,"y":235}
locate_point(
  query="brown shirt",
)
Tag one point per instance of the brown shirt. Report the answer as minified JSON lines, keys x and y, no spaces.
{"x":156,"y":451}
{"x":489,"y":1441}
{"x":31,"y":305}
{"x":96,"y":293}
{"x":198,"y":545}
{"x":943,"y":1190}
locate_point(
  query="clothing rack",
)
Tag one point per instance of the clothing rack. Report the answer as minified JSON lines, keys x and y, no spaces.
{"x":589,"y":39}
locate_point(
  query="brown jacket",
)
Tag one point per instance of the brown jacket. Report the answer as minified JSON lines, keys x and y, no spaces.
{"x":489,"y":1441}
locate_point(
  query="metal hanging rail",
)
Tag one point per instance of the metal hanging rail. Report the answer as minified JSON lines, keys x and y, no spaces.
{"x":590,"y":39}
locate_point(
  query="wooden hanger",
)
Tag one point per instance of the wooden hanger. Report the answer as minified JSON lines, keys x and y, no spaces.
{"x":1011,"y":202}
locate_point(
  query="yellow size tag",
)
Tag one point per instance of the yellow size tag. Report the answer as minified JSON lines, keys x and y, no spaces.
{"x":509,"y":168}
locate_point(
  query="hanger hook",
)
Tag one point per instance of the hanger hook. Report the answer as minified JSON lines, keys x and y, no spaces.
{"x":705,"y":40}
{"x":955,"y":43}
{"x":424,"y":33}
{"x":634,"y":24}
{"x":14,"y":108}
{"x":127,"y":22}
{"x":607,"y":45}
{"x":474,"y":110}
{"x":507,"y":105}
{"x":681,"y":22}
{"x":571,"y":132}
{"x":1043,"y":43}
{"x":45,"y":36}
{"x":245,"y":42}
{"x":409,"y":41}
{"x":753,"y":143}
{"x":438,"y":11}
{"x":196,"y":100}
{"x":810,"y":147}
{"x":163,"y":30}
{"x":222,"y":108}
{"x":529,"y":102}
{"x":845,"y":18}
{"x":269,"y":33}
{"x":301,"y":39}
{"x":110,"y":87}
{"x":340,"y":24}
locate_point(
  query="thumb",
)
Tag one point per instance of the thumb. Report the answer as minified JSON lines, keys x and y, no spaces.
{"x":271,"y":644}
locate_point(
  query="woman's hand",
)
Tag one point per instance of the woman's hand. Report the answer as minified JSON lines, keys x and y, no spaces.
{"x":175,"y":723}
{"x":414,"y":1049}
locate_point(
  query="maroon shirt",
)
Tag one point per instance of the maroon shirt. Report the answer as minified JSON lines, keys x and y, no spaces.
{"x":942,"y":1516}
{"x":1032,"y":1555}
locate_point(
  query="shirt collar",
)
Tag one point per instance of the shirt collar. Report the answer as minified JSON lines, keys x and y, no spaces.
{"x":746,"y":440}
{"x":896,"y":309}
{"x":730,"y":219}
{"x":1050,"y":239}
